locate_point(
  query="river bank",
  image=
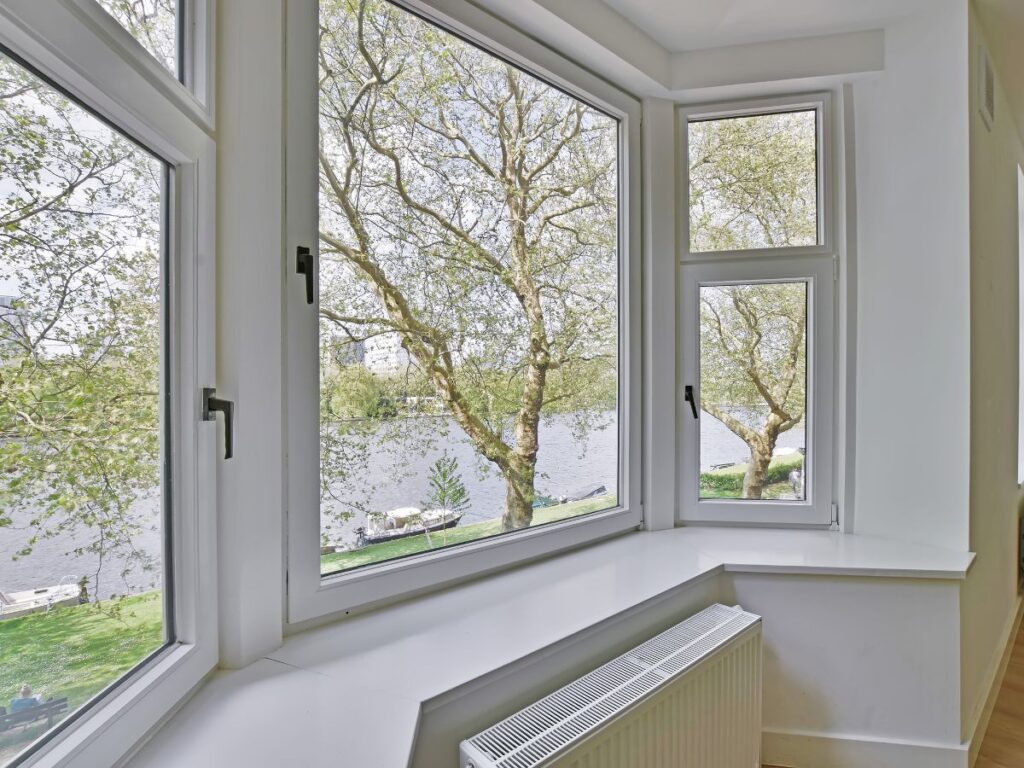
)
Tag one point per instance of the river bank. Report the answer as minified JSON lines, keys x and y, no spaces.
{"x":392,"y":474}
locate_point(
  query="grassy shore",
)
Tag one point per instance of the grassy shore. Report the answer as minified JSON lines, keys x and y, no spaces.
{"x":375,"y":553}
{"x":75,"y":651}
{"x":771,"y":491}
{"x":727,"y":482}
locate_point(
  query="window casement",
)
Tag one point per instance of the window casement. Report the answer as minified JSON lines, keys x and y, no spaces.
{"x":106,"y":341}
{"x":756,"y":322}
{"x":462,"y":276}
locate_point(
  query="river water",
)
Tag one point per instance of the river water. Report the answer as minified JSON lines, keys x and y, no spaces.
{"x":390,"y":479}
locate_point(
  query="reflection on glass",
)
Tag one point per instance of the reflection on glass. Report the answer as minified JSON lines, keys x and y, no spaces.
{"x":754,"y":182}
{"x":468,"y":292}
{"x":81,"y":503}
{"x":753,"y":391}
{"x":153,"y":23}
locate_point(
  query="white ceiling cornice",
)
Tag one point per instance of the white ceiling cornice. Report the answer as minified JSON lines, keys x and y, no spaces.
{"x":602,"y":40}
{"x":781,"y":61}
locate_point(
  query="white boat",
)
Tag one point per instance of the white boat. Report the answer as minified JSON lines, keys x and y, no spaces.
{"x":405,"y":521}
{"x":15,"y":604}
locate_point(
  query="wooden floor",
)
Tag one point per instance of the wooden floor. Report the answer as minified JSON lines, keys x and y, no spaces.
{"x":1003,"y":746}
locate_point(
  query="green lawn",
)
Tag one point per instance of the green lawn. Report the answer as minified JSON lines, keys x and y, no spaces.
{"x":727,"y":482}
{"x":75,"y":651}
{"x":773,"y":491}
{"x":375,"y":553}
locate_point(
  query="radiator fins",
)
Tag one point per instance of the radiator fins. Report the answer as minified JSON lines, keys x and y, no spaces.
{"x":689,"y":697}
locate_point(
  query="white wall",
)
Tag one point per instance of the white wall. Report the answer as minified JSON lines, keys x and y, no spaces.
{"x":989,"y":595}
{"x":844,"y":664}
{"x":913,"y":346}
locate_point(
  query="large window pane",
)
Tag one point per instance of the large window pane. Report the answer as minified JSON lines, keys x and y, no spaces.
{"x":81,"y":487}
{"x":468,"y":292}
{"x":753,"y":391}
{"x":153,"y":23}
{"x":754,"y":182}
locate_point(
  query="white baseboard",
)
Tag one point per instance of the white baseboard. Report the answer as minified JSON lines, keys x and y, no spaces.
{"x":994,"y":680}
{"x":793,"y":749}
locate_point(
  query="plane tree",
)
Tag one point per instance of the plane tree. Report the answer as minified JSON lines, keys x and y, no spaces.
{"x":753,"y":185}
{"x":468,"y":211}
{"x":79,"y":327}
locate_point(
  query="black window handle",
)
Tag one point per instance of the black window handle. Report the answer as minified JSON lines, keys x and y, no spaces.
{"x":304,"y":266}
{"x":688,"y":397}
{"x":212,"y":404}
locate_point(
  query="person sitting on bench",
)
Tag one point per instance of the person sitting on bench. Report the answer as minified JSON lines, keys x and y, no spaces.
{"x":25,"y":701}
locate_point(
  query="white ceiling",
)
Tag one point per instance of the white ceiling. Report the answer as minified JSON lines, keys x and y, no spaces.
{"x":688,"y":25}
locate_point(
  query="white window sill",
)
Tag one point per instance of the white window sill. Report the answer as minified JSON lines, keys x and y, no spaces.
{"x":353,"y":690}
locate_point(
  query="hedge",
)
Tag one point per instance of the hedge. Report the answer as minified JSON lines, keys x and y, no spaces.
{"x":730,"y":479}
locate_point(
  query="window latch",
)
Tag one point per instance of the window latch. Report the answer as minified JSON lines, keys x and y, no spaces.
{"x":688,"y":397}
{"x":212,"y":404}
{"x":304,"y":266}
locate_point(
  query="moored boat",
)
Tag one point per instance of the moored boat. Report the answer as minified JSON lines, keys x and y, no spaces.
{"x":22,"y":603}
{"x":403,"y":522}
{"x":587,"y":492}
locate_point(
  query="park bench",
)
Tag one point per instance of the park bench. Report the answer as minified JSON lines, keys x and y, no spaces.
{"x":48,"y":710}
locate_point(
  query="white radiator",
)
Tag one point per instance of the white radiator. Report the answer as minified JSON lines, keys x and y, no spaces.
{"x":688,"y":698}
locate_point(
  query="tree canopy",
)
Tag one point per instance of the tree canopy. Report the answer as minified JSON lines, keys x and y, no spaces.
{"x":153,"y":23}
{"x":469,"y":210}
{"x":80,"y":338}
{"x":753,"y":185}
{"x":753,"y":182}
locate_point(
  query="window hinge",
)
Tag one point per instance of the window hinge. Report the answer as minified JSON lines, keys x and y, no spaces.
{"x":835,"y":266}
{"x":835,"y":518}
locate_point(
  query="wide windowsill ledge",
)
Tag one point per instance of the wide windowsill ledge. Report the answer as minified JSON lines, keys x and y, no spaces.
{"x":362,"y":682}
{"x":824,"y":553}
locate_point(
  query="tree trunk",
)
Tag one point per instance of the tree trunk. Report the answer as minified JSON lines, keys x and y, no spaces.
{"x":757,"y":473}
{"x":518,"y":501}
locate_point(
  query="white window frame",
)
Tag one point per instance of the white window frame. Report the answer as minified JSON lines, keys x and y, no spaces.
{"x":73,"y":44}
{"x":820,"y":102}
{"x":815,"y":264}
{"x":191,"y":88}
{"x":310,"y":596}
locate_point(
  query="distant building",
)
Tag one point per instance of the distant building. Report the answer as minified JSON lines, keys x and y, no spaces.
{"x":384,"y":355}
{"x":350,"y":352}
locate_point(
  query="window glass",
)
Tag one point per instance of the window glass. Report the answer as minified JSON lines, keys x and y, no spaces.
{"x":753,"y":391}
{"x":81,"y":390}
{"x":153,"y":23}
{"x":469,"y":308}
{"x":754,"y":182}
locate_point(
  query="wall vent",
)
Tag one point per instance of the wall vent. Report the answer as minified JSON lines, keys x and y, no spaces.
{"x":986,"y":87}
{"x":557,"y":724}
